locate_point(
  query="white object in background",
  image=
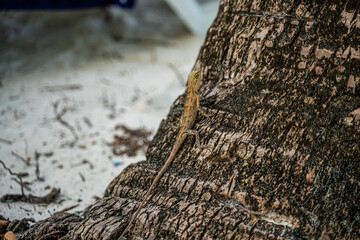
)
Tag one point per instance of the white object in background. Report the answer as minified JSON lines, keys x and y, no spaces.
{"x":193,"y":15}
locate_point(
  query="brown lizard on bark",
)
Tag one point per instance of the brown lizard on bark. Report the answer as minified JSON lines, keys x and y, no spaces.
{"x":192,"y":104}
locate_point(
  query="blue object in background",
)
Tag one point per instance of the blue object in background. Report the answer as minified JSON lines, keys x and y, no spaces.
{"x":60,"y":4}
{"x":117,"y":163}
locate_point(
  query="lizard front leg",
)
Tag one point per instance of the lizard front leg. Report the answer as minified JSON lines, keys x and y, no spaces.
{"x":199,"y":107}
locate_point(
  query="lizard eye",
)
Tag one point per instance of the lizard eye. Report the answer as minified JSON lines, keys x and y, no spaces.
{"x":196,"y":75}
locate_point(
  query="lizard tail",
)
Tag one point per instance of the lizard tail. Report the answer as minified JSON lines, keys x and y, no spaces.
{"x":157,"y":178}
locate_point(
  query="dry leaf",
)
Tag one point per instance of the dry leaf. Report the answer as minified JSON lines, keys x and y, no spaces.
{"x":4,"y":223}
{"x":10,"y":236}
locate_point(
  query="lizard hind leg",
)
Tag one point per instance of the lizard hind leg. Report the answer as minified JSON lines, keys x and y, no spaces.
{"x":197,"y":138}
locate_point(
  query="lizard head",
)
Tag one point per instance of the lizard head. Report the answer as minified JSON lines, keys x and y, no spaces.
{"x":194,"y":79}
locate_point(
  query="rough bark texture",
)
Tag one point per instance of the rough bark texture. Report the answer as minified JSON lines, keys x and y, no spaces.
{"x":281,"y":79}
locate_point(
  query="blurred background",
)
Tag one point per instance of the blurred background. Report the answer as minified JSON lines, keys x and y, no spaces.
{"x":82,"y":93}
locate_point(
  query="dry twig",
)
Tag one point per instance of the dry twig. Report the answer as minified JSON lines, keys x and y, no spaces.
{"x":65,"y":87}
{"x":25,"y":160}
{"x":58,"y":117}
{"x":37,"y":170}
{"x":66,"y":209}
{"x":2,"y":140}
{"x":18,"y":175}
{"x":49,"y":198}
{"x":27,"y":198}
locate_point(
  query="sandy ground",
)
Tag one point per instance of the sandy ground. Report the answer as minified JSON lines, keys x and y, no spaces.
{"x":92,"y":70}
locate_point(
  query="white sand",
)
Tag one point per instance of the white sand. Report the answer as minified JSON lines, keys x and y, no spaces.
{"x":115,"y":82}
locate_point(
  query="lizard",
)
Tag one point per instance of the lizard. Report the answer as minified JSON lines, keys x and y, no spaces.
{"x":192,"y":105}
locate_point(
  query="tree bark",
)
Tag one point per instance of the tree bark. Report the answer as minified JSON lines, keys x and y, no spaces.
{"x":281,"y":81}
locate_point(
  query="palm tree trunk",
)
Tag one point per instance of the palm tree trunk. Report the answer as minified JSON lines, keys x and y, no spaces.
{"x":281,"y":81}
